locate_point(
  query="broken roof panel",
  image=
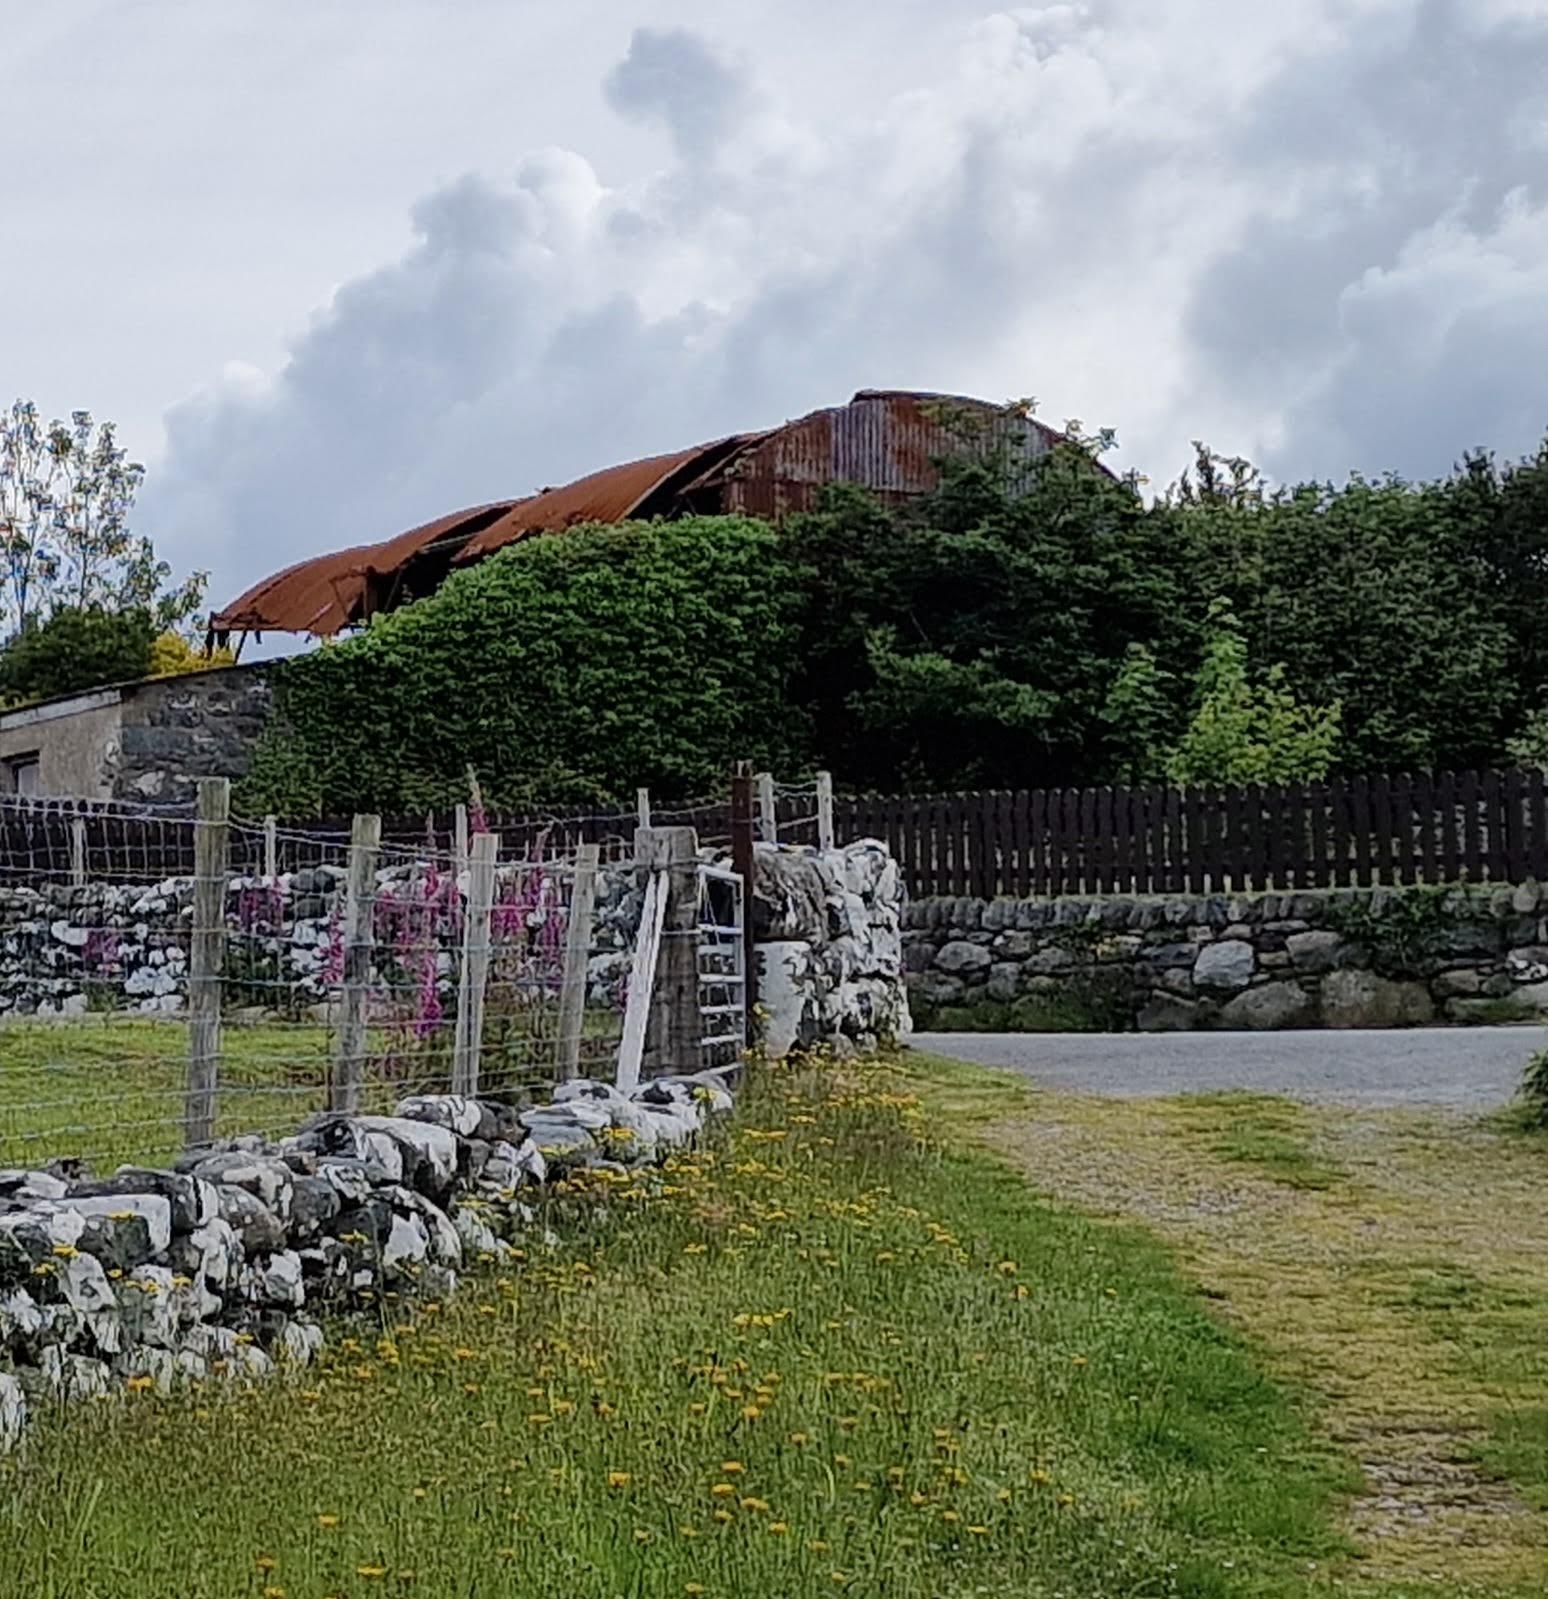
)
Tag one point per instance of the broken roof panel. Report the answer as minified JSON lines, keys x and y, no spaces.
{"x":326,"y":593}
{"x":612,"y":495}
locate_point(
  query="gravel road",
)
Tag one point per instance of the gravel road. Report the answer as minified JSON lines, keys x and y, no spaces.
{"x":1473,"y":1068}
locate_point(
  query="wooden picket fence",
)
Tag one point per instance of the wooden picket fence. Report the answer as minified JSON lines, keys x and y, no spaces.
{"x":1428,"y":828}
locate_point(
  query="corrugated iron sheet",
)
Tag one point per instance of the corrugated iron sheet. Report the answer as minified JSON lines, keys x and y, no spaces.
{"x":612,"y":495}
{"x":889,"y":441}
{"x":328,"y":593}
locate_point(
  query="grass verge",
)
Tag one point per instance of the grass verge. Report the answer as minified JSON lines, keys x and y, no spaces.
{"x":836,"y":1353}
{"x":1388,"y":1264}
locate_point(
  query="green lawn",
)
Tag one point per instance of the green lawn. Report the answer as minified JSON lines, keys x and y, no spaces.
{"x":840,"y":1352}
{"x":111,"y":1089}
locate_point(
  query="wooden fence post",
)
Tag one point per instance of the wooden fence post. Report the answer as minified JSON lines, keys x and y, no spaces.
{"x":474,"y":978}
{"x":675,"y":1030}
{"x":359,"y":938}
{"x":742,"y":865}
{"x":642,"y":806}
{"x":768,"y":819}
{"x":460,"y":841}
{"x":825,"y":838}
{"x":78,"y":850}
{"x":577,"y":958}
{"x":642,"y":981}
{"x":271,"y":850}
{"x":206,"y":957}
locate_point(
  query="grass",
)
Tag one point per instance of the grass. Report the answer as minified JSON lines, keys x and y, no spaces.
{"x":111,"y":1089}
{"x":1389,"y":1265}
{"x":841,"y":1352}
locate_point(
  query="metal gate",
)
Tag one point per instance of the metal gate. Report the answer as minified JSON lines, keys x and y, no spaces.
{"x":722,"y":966}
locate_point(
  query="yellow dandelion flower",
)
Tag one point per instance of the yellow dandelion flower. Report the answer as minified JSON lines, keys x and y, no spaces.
{"x":950,"y":1515}
{"x":688,"y":1532}
{"x":780,"y":1527}
{"x":722,"y":1490}
{"x":722,"y":1516}
{"x":732,"y":1468}
{"x":327,"y":1522}
{"x":641,"y":1535}
{"x":272,"y":1592}
{"x":618,"y":1479}
{"x":694,"y":1587}
{"x":370,"y":1573}
{"x":817,"y":1545}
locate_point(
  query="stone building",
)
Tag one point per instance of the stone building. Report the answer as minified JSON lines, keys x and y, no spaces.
{"x":147,"y":740}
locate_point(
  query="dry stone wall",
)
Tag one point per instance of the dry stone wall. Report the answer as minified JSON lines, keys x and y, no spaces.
{"x":1340,"y":958}
{"x":828,"y":934}
{"x":220,"y":1268}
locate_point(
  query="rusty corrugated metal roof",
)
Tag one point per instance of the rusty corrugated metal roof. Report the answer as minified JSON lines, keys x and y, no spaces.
{"x":328,"y":592}
{"x":889,"y":441}
{"x":611,"y":495}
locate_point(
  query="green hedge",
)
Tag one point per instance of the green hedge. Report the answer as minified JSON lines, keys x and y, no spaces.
{"x":563,"y":670}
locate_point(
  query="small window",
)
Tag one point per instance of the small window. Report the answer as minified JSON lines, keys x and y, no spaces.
{"x":26,"y":774}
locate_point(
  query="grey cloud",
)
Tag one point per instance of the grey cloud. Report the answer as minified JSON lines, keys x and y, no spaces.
{"x":1045,"y":207}
{"x":671,"y":75}
{"x":1352,"y":154}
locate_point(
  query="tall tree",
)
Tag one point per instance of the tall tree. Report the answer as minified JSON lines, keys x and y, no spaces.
{"x":67,"y":490}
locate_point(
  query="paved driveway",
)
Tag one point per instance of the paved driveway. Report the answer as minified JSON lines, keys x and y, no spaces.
{"x":1471,"y":1068}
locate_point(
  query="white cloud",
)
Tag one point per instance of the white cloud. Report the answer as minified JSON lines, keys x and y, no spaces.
{"x":1283,"y":234}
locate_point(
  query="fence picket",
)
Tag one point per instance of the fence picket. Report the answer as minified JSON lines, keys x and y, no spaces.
{"x":1472,"y":842}
{"x":1537,"y":833}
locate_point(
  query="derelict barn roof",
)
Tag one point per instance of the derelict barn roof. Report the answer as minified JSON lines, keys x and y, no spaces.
{"x":887,"y":440}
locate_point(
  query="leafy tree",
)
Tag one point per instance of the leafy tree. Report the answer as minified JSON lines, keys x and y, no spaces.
{"x":1138,"y":714}
{"x":1246,"y":732}
{"x":75,"y":649}
{"x":1530,"y":745}
{"x":972,"y":640}
{"x":1366,"y":596}
{"x":66,"y":493}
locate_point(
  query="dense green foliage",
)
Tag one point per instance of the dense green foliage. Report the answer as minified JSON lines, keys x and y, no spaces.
{"x":76,"y":649}
{"x":565,"y":670}
{"x":1005,"y":632}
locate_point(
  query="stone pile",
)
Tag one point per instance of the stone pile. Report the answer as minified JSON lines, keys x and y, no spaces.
{"x":1256,"y":962}
{"x":220,"y":1267}
{"x":828,"y":934}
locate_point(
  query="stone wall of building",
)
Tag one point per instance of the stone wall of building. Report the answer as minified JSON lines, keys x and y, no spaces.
{"x":175,"y":730}
{"x":1340,"y":958}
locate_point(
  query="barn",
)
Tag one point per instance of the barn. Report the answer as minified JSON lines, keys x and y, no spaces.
{"x":888,"y":441}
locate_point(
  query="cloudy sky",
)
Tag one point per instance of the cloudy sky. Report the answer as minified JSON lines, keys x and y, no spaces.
{"x":338,"y":266}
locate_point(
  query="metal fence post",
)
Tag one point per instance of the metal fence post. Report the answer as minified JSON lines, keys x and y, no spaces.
{"x":206,"y":957}
{"x":360,"y":904}
{"x":469,"y":1035}
{"x":642,"y":806}
{"x":577,"y":956}
{"x":77,"y":850}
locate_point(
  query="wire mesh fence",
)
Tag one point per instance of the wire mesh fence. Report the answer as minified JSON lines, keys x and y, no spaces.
{"x":328,"y":987}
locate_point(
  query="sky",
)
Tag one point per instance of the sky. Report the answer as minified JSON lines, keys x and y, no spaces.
{"x":337,"y":267}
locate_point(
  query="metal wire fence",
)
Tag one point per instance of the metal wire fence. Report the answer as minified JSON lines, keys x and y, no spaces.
{"x":141,"y":1008}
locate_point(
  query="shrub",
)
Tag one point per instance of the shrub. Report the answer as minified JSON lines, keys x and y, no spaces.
{"x":1534,"y":1090}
